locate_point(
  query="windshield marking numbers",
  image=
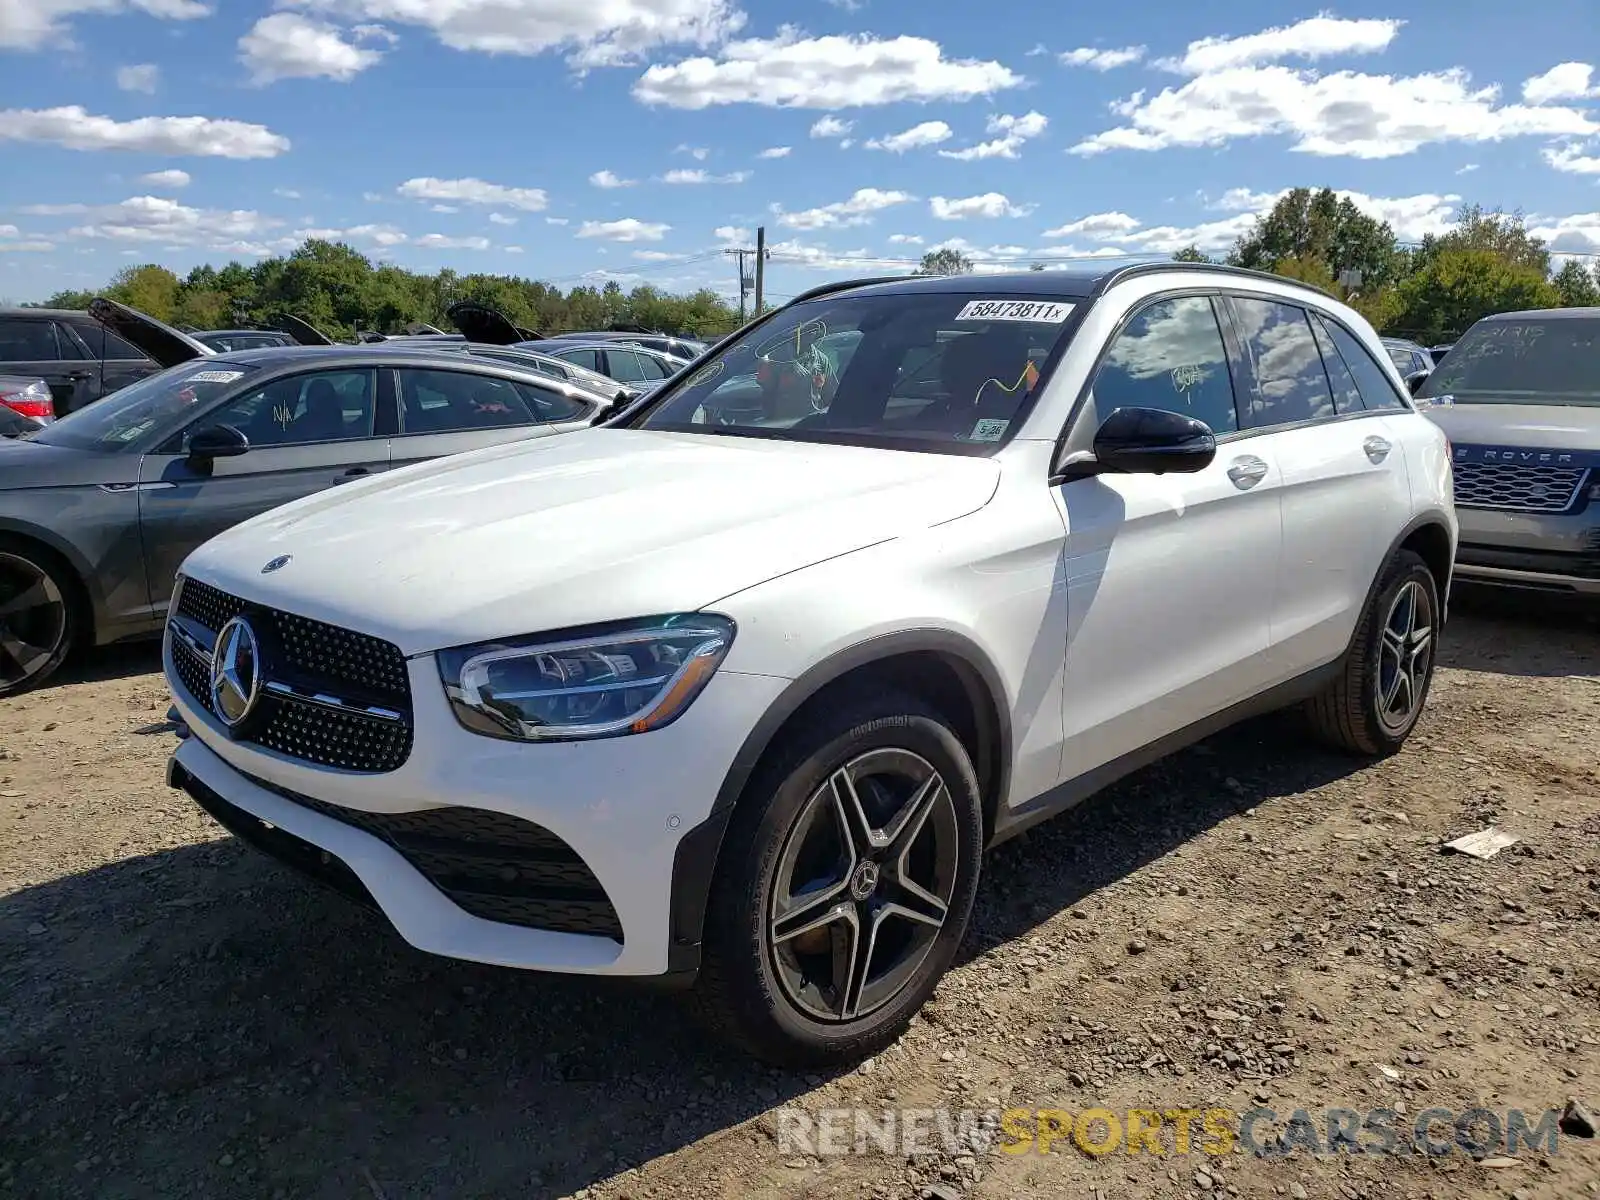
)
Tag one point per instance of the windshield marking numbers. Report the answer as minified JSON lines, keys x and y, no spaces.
{"x":990,"y":429}
{"x":1042,"y":312}
{"x":215,"y":376}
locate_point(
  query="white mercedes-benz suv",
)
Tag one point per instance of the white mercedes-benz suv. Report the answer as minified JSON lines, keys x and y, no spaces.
{"x":738,"y":688}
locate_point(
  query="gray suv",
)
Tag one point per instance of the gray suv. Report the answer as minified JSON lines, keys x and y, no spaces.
{"x":1519,"y":398}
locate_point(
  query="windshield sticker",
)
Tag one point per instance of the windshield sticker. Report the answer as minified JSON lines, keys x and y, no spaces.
{"x":215,"y":376}
{"x":1043,"y":312}
{"x":706,"y":373}
{"x":990,"y":429}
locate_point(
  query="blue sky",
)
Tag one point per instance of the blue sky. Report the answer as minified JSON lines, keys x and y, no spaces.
{"x":582,"y":140}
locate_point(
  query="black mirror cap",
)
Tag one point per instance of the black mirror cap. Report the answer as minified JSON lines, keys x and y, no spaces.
{"x":1146,"y":441}
{"x":218,"y":441}
{"x":1415,"y":381}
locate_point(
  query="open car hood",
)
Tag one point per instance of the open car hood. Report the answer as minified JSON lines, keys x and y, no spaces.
{"x":480,"y":323}
{"x":303,"y":331}
{"x":166,"y":345}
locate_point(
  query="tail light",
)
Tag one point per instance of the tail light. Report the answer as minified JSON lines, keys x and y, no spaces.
{"x":31,"y":399}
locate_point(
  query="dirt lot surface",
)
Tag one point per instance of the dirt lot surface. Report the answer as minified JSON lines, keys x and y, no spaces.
{"x":1251,"y":923}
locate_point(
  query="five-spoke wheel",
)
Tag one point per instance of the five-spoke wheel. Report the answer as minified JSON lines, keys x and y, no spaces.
{"x":35,"y":620}
{"x":1405,"y":656}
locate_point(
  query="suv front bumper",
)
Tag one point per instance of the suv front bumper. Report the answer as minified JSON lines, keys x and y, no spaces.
{"x":1554,"y":552}
{"x":632,"y":814}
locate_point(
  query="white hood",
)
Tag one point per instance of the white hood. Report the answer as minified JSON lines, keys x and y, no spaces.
{"x":598,"y":525}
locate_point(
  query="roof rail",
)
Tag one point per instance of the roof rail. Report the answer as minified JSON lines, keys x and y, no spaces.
{"x":843,"y":285}
{"x":1133,"y":270}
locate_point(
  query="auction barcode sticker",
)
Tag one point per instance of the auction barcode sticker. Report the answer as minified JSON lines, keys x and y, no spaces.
{"x":215,"y":376}
{"x":1045,"y":312}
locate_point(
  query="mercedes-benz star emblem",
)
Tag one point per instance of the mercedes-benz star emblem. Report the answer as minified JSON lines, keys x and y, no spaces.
{"x":277,"y":564}
{"x":235,"y":672}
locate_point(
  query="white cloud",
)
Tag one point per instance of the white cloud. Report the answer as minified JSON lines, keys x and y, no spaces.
{"x":990,"y":204}
{"x":156,"y":219}
{"x":501,"y":219}
{"x":788,"y":71}
{"x":610,"y":179}
{"x":904,"y":239}
{"x":76,"y":129}
{"x":1342,"y":114}
{"x":613,"y":33}
{"x":28,"y":247}
{"x":1576,"y":234}
{"x":1013,"y":132}
{"x":555,"y":221}
{"x":1107,"y":226}
{"x":1411,"y":217}
{"x":1566,"y":81}
{"x":831,"y":126}
{"x":775,"y":152}
{"x":731,"y":233}
{"x":1572,"y":160}
{"x":443,"y":208}
{"x":1103,"y":60}
{"x":1314,"y":38}
{"x":698,"y":153}
{"x":289,"y":46}
{"x":656,"y":256}
{"x":474,"y":191}
{"x":1467,"y":169}
{"x":166,"y":179}
{"x":439,"y":241}
{"x":695,"y":176}
{"x":141,"y":77}
{"x":857,"y":210}
{"x":628,"y":229}
{"x":32,"y":24}
{"x":9,"y":231}
{"x":929,"y":133}
{"x":512,"y":249}
{"x":286,"y":193}
{"x":820,"y":258}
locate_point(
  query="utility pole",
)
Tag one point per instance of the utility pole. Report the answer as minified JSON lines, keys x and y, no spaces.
{"x":739,"y":254}
{"x":761,"y":265}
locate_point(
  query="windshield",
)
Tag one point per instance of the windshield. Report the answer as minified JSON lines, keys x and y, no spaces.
{"x":157,"y":402}
{"x":1522,"y":361}
{"x":933,"y":371}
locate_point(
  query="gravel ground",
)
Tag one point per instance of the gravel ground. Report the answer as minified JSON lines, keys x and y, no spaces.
{"x":1250,"y":923}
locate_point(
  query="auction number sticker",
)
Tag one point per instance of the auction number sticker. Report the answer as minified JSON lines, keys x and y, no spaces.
{"x":215,"y":376}
{"x":1043,"y":312}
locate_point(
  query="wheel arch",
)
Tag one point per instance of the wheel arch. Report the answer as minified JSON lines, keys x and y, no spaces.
{"x":947,"y":668}
{"x":76,"y":575}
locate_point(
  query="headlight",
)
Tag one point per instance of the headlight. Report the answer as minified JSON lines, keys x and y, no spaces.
{"x":628,"y":678}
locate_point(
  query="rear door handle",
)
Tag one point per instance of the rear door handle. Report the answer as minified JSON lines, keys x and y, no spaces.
{"x":1377,"y":448}
{"x":79,"y":376}
{"x":1246,"y":471}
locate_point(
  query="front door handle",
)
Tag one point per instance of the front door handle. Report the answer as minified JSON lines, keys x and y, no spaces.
{"x":1246,"y":471}
{"x":79,"y":376}
{"x":1377,"y":448}
{"x":352,"y":473}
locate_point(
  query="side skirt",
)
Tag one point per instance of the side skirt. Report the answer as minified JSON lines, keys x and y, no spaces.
{"x":1073,"y":792}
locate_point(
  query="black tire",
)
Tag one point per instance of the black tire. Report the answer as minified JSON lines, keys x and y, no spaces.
{"x":34,"y":640}
{"x":1351,"y":714}
{"x":749,"y":989}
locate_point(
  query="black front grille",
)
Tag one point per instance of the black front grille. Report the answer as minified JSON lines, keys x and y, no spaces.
{"x":494,"y":866}
{"x":360,"y":672}
{"x":1517,"y":487}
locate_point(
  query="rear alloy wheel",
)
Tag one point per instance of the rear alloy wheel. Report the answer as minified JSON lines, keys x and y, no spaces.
{"x":1378,"y":697}
{"x":844,"y":884}
{"x":35,"y":621}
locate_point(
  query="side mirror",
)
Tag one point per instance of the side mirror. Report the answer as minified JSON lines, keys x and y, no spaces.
{"x":1152,"y":441}
{"x":217,"y":441}
{"x":1415,"y":381}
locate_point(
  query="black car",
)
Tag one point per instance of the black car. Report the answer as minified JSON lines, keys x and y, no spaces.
{"x":98,"y":510}
{"x":78,"y":357}
{"x":224,"y":340}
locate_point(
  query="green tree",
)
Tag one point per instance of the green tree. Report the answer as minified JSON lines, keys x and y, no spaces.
{"x":67,"y":299}
{"x":1501,"y":233}
{"x":1307,"y":225}
{"x":948,"y":261}
{"x":1191,"y":254}
{"x":1456,"y":287}
{"x":1576,"y":285}
{"x":149,"y":288}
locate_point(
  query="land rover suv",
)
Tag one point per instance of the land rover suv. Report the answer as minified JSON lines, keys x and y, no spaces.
{"x":739,"y":693}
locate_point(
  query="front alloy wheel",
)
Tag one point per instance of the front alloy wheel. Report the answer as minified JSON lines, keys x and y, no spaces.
{"x":35,"y":622}
{"x":844,"y":883}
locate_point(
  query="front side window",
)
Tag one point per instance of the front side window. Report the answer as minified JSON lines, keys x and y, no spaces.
{"x":626,"y":366}
{"x":1377,"y":393}
{"x":1523,"y":360}
{"x":145,"y":408}
{"x":1170,"y":356}
{"x":323,"y":406}
{"x":945,"y":371}
{"x":582,"y":356}
{"x":455,"y":402}
{"x":28,"y":341}
{"x":1290,"y":385}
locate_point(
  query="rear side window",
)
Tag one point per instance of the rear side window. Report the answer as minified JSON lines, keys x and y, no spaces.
{"x":1346,"y":395}
{"x":551,"y":406}
{"x":1289,"y":384}
{"x":455,"y":402}
{"x":1170,"y":356}
{"x":28,"y":341}
{"x":626,"y":366}
{"x":587,"y":358}
{"x":1377,"y":393}
{"x":103,"y":343}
